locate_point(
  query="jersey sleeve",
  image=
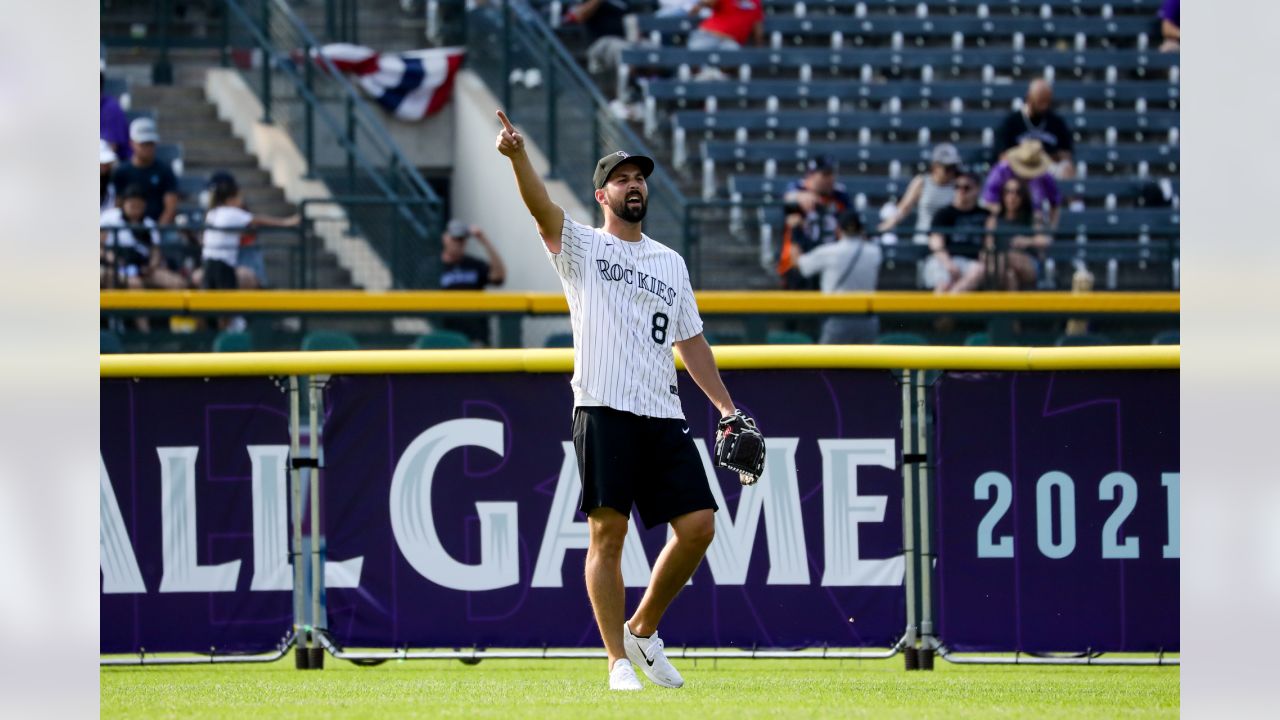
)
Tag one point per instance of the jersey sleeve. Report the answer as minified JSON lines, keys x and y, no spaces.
{"x":814,"y":261}
{"x":688,"y":321}
{"x":575,"y":247}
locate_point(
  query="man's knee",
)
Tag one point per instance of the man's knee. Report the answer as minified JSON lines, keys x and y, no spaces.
{"x":608,"y":531}
{"x":696,"y":528}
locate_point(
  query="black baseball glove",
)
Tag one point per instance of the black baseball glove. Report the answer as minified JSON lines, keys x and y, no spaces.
{"x":740,"y":447}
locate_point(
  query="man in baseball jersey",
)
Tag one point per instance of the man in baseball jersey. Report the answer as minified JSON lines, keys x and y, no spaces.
{"x":630,"y":303}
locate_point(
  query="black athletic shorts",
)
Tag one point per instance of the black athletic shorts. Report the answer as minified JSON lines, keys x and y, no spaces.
{"x":626,"y":459}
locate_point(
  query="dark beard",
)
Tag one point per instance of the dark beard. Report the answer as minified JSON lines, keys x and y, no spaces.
{"x":626,"y":213}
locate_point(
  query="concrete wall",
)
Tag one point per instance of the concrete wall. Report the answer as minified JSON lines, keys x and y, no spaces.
{"x":484,"y":190}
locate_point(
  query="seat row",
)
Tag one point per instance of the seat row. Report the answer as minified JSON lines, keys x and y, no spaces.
{"x":879,"y":189}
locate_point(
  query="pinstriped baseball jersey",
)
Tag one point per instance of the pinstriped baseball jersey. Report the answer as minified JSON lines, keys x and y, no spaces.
{"x":628,"y":302}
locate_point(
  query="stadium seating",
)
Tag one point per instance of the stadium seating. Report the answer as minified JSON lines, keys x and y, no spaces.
{"x":1085,"y":340}
{"x":1168,"y":337}
{"x":978,"y":339}
{"x":329,"y":340}
{"x":441,"y":340}
{"x":233,"y":341}
{"x":787,"y":337}
{"x":109,"y":343}
{"x":559,"y":340}
{"x":901,"y":338}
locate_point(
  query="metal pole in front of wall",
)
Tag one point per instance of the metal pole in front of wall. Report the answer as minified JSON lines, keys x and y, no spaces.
{"x":162,"y":70}
{"x":506,"y":55}
{"x":317,"y":561}
{"x":267,"y":61}
{"x":302,"y":659}
{"x":553,"y":143}
{"x":928,"y":641}
{"x":909,"y":652}
{"x":351,"y":138}
{"x":309,"y":121}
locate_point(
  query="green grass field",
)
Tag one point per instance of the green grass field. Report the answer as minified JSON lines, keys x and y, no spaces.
{"x":577,"y":688}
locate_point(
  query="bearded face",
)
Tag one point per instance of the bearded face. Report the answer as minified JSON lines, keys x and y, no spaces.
{"x":627,"y":194}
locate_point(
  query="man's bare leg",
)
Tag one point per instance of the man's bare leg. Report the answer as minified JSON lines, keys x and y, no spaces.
{"x":608,"y":529}
{"x":693,"y":532}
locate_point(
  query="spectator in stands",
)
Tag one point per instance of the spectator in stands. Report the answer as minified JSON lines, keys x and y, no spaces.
{"x":130,"y":246}
{"x":156,"y":178}
{"x":460,"y":271}
{"x":930,"y":191}
{"x":1169,"y":26}
{"x":225,"y":223}
{"x":1030,"y":163}
{"x":813,"y":205}
{"x":113,"y":124}
{"x":732,"y":24}
{"x":1036,"y":120}
{"x":956,"y":241}
{"x":1015,"y":242}
{"x":251,"y":269}
{"x":106,"y":191}
{"x":678,"y":8}
{"x":851,"y":264}
{"x":603,"y":21}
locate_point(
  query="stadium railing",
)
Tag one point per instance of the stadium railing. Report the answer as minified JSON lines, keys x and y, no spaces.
{"x":918,"y":643}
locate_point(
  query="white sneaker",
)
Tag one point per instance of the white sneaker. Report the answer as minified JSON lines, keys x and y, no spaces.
{"x":623,"y":676}
{"x":646,"y":653}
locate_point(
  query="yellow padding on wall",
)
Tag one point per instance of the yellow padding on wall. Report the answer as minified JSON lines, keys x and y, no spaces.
{"x":741,"y":357}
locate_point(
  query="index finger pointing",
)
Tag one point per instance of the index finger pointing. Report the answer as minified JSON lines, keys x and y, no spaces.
{"x":505,"y":122}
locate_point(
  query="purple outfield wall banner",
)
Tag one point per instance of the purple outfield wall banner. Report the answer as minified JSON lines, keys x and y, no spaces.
{"x":451,"y":515}
{"x":194,"y":551}
{"x":1057,"y":511}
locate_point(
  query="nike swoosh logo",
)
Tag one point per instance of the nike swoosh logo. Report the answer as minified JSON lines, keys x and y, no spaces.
{"x":685,"y":431}
{"x":646,"y":658}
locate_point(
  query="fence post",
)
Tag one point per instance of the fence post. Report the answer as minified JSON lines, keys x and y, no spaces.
{"x":553,"y":144}
{"x":351,"y":151}
{"x":162,"y":70}
{"x":316,"y":661}
{"x":302,"y":659}
{"x":506,"y":55}
{"x":309,"y":139}
{"x":266,"y":62}
{"x":909,"y":559}
{"x":225,"y":38}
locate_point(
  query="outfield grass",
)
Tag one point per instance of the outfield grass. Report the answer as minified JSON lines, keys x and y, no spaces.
{"x":577,"y":688}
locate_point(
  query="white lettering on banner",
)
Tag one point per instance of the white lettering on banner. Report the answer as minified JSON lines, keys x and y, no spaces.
{"x":413,"y":524}
{"x":1128,"y":549}
{"x":987,"y":547}
{"x":843,"y":510}
{"x":1172,"y":483}
{"x":182,"y":571}
{"x":564,"y":533}
{"x":777,"y":496}
{"x":120,"y":573}
{"x":270,"y":518}
{"x":1114,"y":545}
{"x":1066,"y":514}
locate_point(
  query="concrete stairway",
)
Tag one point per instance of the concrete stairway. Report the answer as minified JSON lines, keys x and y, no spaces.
{"x":184,"y":116}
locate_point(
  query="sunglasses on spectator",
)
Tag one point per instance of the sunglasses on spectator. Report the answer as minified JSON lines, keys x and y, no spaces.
{"x":965,"y":186}
{"x":1011,"y":190}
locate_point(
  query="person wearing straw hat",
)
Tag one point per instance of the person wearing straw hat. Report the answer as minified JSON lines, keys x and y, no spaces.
{"x":1030,"y":163}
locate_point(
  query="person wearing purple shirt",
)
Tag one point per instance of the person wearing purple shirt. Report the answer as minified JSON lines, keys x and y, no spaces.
{"x":113,"y":124}
{"x":1170,"y":25}
{"x":1030,"y":163}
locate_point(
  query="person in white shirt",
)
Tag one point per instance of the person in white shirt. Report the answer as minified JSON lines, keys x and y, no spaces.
{"x":130,"y":247}
{"x":850,"y":264}
{"x":225,"y":222}
{"x":630,"y":304}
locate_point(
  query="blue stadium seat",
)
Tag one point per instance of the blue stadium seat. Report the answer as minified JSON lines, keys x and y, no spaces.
{"x":826,"y":59}
{"x":329,"y":340}
{"x":1085,"y":340}
{"x":559,"y":340}
{"x":932,"y":26}
{"x":441,"y":340}
{"x":1168,"y":337}
{"x":109,"y":343}
{"x":233,"y":341}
